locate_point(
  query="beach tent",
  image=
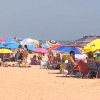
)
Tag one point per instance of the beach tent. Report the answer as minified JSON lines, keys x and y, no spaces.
{"x":29,"y":42}
{"x":84,"y":41}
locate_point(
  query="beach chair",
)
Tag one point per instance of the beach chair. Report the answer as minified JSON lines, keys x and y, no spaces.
{"x":64,"y":57}
{"x":83,"y":68}
{"x":74,"y":71}
{"x":43,"y":63}
{"x":92,"y":69}
{"x":7,"y":57}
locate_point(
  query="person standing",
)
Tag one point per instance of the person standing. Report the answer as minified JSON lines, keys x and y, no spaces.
{"x":40,"y":43}
{"x":17,"y":53}
{"x":25,"y":55}
{"x":15,"y":39}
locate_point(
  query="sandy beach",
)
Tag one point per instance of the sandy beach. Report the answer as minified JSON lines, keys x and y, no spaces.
{"x":42,"y":84}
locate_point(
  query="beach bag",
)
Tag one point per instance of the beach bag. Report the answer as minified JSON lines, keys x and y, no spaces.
{"x":25,"y":53}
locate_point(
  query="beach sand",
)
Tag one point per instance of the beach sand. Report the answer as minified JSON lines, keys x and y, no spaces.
{"x":43,"y":84}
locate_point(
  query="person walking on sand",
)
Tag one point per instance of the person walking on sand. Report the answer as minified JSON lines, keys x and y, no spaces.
{"x":25,"y":55}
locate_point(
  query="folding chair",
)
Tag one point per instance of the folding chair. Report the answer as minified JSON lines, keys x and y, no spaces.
{"x":7,"y":57}
{"x":73,"y":69}
{"x":43,"y":63}
{"x":92,"y":69}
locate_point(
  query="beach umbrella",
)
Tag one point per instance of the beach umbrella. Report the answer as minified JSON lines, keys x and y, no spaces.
{"x":29,"y":42}
{"x":2,"y":39}
{"x":5,"y":51}
{"x":37,"y":41}
{"x":6,"y":42}
{"x":13,"y":46}
{"x":97,"y":52}
{"x":80,"y":56}
{"x":44,"y":46}
{"x":93,"y":46}
{"x":68,"y":49}
{"x":51,"y":43}
{"x":2,"y":46}
{"x":54,"y":47}
{"x":31,"y":48}
{"x":40,"y":50}
{"x":19,"y":39}
{"x":84,"y":41}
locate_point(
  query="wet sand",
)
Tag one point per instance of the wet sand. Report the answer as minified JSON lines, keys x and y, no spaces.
{"x":42,"y":84}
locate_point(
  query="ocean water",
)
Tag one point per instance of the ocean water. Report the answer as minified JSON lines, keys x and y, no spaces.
{"x":59,"y":41}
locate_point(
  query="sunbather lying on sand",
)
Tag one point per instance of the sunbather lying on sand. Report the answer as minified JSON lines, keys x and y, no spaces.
{"x":5,"y":64}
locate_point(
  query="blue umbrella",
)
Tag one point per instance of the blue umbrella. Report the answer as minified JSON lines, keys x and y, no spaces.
{"x":13,"y":46}
{"x":31,"y":48}
{"x":19,"y":39}
{"x":68,"y":49}
{"x":2,"y":46}
{"x":45,"y":46}
{"x":6,"y":42}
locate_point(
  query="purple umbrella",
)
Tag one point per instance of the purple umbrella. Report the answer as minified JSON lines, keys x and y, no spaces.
{"x":40,"y":50}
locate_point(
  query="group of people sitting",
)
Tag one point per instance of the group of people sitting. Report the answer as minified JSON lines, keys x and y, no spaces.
{"x":92,"y":65}
{"x":54,"y":59}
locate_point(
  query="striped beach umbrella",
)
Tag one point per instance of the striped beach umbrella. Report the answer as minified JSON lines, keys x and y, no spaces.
{"x":51,"y":43}
{"x":84,"y":41}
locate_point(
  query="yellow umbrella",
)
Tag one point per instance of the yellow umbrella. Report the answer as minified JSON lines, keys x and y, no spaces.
{"x":37,"y":42}
{"x":4,"y":51}
{"x":93,"y":46}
